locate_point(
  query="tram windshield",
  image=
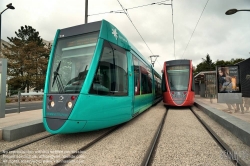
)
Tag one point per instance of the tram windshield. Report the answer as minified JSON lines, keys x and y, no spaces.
{"x":178,"y":77}
{"x":71,"y":61}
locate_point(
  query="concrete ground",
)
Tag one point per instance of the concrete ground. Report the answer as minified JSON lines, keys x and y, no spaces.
{"x":223,"y":107}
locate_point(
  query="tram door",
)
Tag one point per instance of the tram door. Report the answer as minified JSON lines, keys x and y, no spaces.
{"x":137,"y":100}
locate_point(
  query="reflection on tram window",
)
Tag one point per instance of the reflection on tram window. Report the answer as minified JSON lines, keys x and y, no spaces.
{"x":146,"y":79}
{"x":71,"y":62}
{"x":111,"y":76}
{"x":157,"y":82}
{"x":178,"y":77}
{"x":137,"y":78}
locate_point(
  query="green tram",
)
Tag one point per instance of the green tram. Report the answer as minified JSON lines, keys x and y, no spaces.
{"x":96,"y":79}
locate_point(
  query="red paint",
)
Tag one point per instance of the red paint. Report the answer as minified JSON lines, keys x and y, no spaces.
{"x":168,"y":96}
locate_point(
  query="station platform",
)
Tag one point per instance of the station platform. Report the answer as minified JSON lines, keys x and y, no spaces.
{"x":237,"y":122}
{"x":223,"y":107}
{"x":19,"y":125}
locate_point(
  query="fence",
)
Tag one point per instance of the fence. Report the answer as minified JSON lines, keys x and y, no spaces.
{"x":20,"y":97}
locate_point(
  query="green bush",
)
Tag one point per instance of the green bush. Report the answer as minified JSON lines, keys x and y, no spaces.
{"x":8,"y":100}
{"x":23,"y":98}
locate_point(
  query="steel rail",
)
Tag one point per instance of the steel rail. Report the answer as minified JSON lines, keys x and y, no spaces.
{"x":229,"y":152}
{"x":148,"y":158}
{"x":78,"y":152}
{"x":73,"y":155}
{"x":24,"y":144}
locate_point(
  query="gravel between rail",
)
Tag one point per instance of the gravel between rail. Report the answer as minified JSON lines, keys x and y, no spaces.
{"x":50,"y":150}
{"x":237,"y":146}
{"x":184,"y":141}
{"x":128,"y":145}
{"x":6,"y":145}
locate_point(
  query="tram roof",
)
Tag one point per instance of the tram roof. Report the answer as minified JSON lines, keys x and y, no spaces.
{"x":107,"y":31}
{"x":113,"y":34}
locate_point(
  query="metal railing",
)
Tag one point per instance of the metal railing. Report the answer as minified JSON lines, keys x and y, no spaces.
{"x":26,"y":94}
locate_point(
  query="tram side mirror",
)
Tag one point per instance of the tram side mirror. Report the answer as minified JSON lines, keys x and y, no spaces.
{"x":161,"y":71}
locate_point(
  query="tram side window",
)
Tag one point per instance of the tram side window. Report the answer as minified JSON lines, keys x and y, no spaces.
{"x":146,"y":79}
{"x":150,"y":83}
{"x":136,"y":76}
{"x":157,"y":85}
{"x":111,"y":77}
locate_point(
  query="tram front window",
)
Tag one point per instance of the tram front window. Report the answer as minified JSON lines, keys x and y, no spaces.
{"x":71,"y":61}
{"x":178,"y":77}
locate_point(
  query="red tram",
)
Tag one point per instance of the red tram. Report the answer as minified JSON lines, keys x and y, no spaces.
{"x":177,"y":83}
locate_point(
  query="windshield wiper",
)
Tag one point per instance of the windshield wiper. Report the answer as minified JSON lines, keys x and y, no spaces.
{"x":58,"y":79}
{"x":113,"y":66}
{"x":82,"y":74}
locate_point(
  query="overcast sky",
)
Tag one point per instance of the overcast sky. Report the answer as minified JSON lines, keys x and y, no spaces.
{"x":221,"y":36}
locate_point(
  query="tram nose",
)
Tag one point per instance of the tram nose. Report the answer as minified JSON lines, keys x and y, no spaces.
{"x":179,"y":95}
{"x":59,"y":106}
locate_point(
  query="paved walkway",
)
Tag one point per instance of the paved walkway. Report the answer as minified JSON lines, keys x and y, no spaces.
{"x":223,"y":107}
{"x":18,"y":118}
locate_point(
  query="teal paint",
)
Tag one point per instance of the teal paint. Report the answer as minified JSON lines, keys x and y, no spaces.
{"x":93,"y":66}
{"x":101,"y":107}
{"x":92,"y":112}
{"x":46,"y":86}
{"x":112,"y":34}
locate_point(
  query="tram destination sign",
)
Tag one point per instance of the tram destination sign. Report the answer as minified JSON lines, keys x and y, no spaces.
{"x":178,"y":67}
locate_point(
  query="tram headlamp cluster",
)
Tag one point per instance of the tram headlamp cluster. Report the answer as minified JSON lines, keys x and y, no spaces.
{"x":69,"y":104}
{"x":51,"y":104}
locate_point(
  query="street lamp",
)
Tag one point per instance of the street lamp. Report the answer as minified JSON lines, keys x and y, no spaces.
{"x":86,"y":11}
{"x":153,"y":61}
{"x":9,"y":6}
{"x":233,"y":11}
{"x":3,"y":71}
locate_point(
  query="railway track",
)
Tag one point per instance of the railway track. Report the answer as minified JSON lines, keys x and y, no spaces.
{"x":65,"y":160}
{"x":70,"y":156}
{"x":95,"y":145}
{"x":151,"y":152}
{"x":73,"y":155}
{"x":148,"y":158}
{"x":236,"y":160}
{"x":6,"y":151}
{"x":78,"y":152}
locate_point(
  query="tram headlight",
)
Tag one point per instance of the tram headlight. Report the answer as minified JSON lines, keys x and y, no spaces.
{"x":69,"y":104}
{"x":51,"y":104}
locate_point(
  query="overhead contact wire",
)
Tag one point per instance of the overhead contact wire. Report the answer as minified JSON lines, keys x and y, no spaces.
{"x":173,"y":25}
{"x":121,"y":11}
{"x":195,"y":28}
{"x":134,"y":26}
